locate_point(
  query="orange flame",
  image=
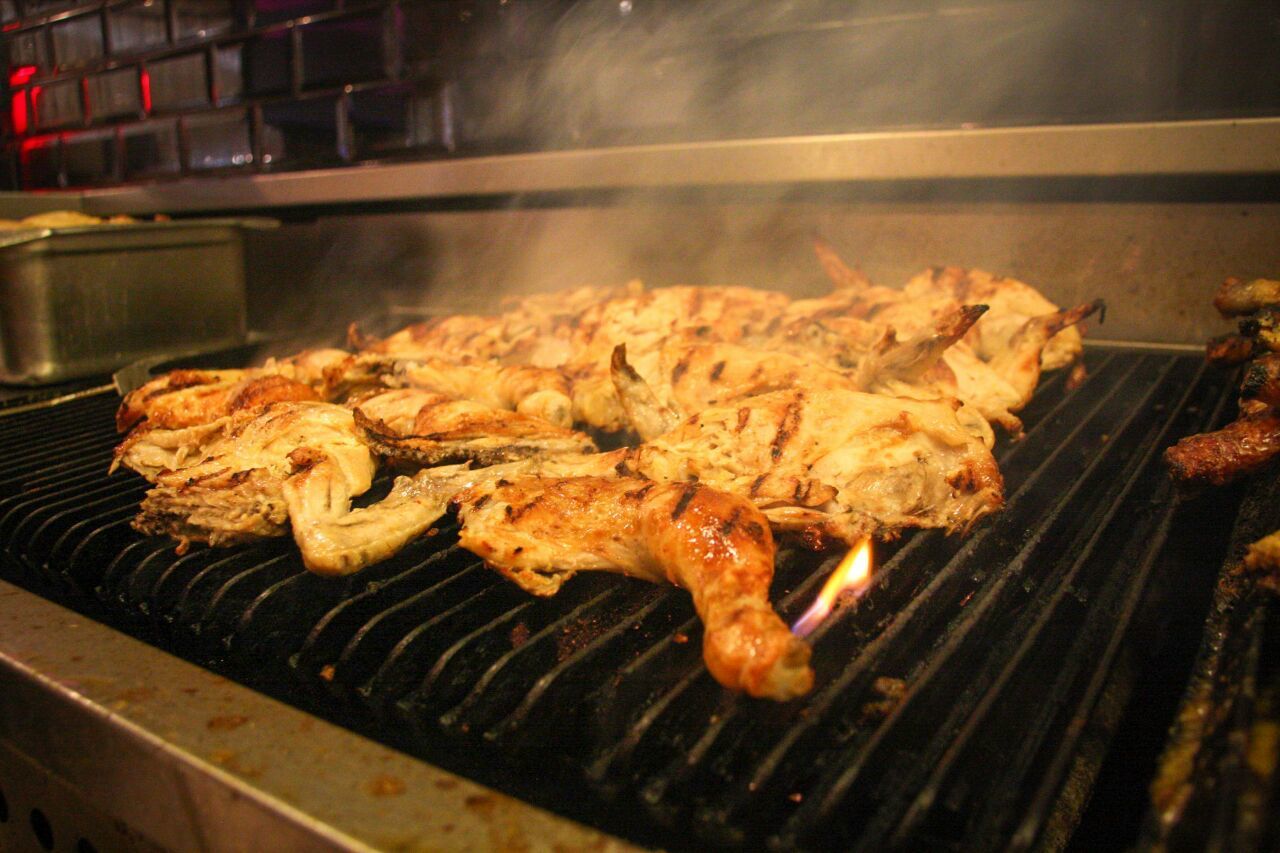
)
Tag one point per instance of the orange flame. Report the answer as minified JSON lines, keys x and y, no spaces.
{"x":853,"y":573}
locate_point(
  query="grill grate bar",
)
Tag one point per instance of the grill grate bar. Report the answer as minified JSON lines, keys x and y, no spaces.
{"x":1105,"y":556}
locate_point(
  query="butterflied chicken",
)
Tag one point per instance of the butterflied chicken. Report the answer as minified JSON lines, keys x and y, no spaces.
{"x":252,"y":474}
{"x":183,"y":398}
{"x":535,"y":391}
{"x":827,"y":465}
{"x":541,"y":531}
{"x":834,"y":464}
{"x":645,"y":323}
{"x":423,"y":428}
{"x":691,"y":377}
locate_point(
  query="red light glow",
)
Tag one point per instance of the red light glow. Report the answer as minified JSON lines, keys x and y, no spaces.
{"x":18,"y":111}
{"x":145,"y":78}
{"x":20,"y":75}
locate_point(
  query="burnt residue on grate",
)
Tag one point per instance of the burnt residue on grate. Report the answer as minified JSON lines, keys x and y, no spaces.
{"x":967,"y":700}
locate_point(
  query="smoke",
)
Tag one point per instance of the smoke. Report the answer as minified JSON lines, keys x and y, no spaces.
{"x":538,"y":76}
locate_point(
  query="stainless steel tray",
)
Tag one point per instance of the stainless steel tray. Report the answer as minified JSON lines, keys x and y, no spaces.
{"x":84,"y":300}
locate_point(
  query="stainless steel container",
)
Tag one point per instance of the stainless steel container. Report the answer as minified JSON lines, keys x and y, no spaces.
{"x":85,"y":300}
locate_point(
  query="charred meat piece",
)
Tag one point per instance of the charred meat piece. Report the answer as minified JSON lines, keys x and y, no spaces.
{"x":1236,"y":297}
{"x":541,"y":531}
{"x":410,"y":425}
{"x":238,"y":483}
{"x":1264,"y":328}
{"x":1217,"y":458}
{"x":1261,"y":382}
{"x":1230,"y":350}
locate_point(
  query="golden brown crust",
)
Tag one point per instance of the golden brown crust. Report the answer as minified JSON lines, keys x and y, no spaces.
{"x":539,"y":531}
{"x":1217,"y":458}
{"x":1236,"y":297}
{"x":1228,"y":350}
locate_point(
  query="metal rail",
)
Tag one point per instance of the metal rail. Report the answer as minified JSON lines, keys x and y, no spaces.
{"x":187,"y":759}
{"x":1216,"y":147}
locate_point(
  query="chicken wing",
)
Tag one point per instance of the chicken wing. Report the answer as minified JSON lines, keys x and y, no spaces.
{"x":539,"y":532}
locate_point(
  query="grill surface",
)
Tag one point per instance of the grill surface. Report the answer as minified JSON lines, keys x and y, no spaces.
{"x":1019,"y":646}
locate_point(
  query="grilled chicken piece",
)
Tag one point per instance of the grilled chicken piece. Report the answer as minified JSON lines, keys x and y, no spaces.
{"x":479,"y":336}
{"x":1264,"y":555}
{"x":540,"y":532}
{"x":411,"y":425}
{"x":691,"y":377}
{"x":834,"y":464}
{"x":1230,"y":350}
{"x":1236,"y":297}
{"x":1012,"y":305}
{"x":645,"y":323}
{"x":183,"y":398}
{"x":1261,"y":383}
{"x":299,"y":462}
{"x":1216,"y":458}
{"x":1264,"y":329}
{"x":826,"y":464}
{"x":535,"y":391}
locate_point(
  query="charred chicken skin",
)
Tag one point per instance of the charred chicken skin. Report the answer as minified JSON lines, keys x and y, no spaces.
{"x":541,"y":531}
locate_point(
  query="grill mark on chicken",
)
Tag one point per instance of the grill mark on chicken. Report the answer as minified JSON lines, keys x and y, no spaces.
{"x":787,"y":426}
{"x":681,"y":366}
{"x":690,"y":490}
{"x":717,"y":370}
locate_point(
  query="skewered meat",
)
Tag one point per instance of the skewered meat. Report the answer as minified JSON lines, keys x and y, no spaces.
{"x":539,"y":532}
{"x":535,"y":391}
{"x":255,"y":472}
{"x":428,"y":429}
{"x":183,"y":398}
{"x":1217,"y":458}
{"x":1236,"y":297}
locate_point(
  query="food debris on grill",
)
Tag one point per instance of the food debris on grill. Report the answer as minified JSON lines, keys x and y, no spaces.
{"x":867,"y":411}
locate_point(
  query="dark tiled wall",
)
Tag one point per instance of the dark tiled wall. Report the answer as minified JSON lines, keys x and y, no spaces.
{"x":109,"y":91}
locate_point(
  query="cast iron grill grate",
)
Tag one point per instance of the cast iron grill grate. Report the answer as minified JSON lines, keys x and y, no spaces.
{"x":1012,"y":643}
